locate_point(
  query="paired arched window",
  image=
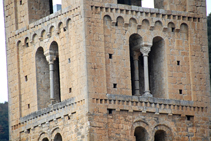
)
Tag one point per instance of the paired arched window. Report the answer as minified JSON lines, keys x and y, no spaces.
{"x":44,"y":61}
{"x":155,"y":66}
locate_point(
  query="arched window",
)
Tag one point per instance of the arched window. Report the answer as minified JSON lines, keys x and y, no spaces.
{"x":136,"y":65}
{"x":157,"y":68}
{"x":160,"y":135}
{"x":43,"y":81}
{"x":56,"y":77}
{"x":58,"y":137}
{"x":141,"y":134}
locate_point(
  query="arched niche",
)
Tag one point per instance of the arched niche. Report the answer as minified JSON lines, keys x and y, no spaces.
{"x":141,"y":134}
{"x":160,"y":135}
{"x":107,"y":21}
{"x":157,"y":68}
{"x":145,"y":24}
{"x":56,"y":74}
{"x":45,"y":139}
{"x":119,"y":21}
{"x":43,"y":81}
{"x":58,"y":137}
{"x":184,"y":31}
{"x":158,"y":25}
{"x":132,"y":23}
{"x":136,"y":64}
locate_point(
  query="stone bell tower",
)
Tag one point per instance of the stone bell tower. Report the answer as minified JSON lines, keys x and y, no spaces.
{"x":107,"y":70}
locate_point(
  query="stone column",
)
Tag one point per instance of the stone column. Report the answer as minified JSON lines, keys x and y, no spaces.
{"x":51,"y":57}
{"x":145,"y":49}
{"x":136,"y":72}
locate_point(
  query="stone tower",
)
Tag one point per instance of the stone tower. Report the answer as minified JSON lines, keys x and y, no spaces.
{"x":107,"y":70}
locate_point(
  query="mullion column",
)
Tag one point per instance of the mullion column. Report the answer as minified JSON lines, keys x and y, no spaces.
{"x":145,"y":51}
{"x":136,"y":72}
{"x":51,"y":57}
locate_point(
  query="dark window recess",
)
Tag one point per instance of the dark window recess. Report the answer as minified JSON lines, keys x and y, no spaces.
{"x":28,"y":106}
{"x":26,"y":78}
{"x":178,"y":63}
{"x":64,"y":28}
{"x":27,"y":44}
{"x":110,"y":111}
{"x":114,"y":85}
{"x":70,"y":90}
{"x":69,"y":60}
{"x":172,"y":29}
{"x":51,"y":6}
{"x":180,"y":91}
{"x":21,"y":2}
{"x":190,"y":118}
{"x":28,"y":130}
{"x":110,"y":56}
{"x":128,"y":2}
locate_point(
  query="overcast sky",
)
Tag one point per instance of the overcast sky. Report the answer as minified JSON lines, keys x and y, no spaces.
{"x":3,"y":74}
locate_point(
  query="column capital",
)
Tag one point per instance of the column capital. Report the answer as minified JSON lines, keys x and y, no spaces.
{"x":145,"y":48}
{"x":50,"y":56}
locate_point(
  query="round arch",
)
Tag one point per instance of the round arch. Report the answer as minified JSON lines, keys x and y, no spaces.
{"x":162,"y":133}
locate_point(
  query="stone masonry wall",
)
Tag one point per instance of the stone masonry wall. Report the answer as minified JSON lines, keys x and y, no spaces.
{"x":63,"y":27}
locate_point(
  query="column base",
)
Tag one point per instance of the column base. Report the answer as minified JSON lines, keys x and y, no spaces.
{"x":147,"y":94}
{"x":53,"y":101}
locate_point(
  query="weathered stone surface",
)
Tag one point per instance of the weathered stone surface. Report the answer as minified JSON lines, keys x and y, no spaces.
{"x":89,"y":48}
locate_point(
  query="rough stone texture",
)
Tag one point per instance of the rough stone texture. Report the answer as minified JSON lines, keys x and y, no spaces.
{"x":95,"y":39}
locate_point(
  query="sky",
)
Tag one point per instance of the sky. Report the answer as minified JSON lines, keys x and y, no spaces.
{"x":3,"y":73}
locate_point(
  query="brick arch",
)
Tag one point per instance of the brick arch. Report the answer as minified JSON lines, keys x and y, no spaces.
{"x":68,"y":21}
{"x":166,"y":129}
{"x":59,"y":27}
{"x":56,"y":131}
{"x":26,"y":42}
{"x":107,"y":21}
{"x":34,"y":37}
{"x":43,"y":136}
{"x":18,"y":44}
{"x":140,"y":124}
{"x":133,"y":22}
{"x":158,"y":25}
{"x":119,"y":21}
{"x":171,"y":27}
{"x":145,"y":24}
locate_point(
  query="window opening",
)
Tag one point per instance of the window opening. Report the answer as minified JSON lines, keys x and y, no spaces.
{"x":172,"y":29}
{"x":180,"y":91}
{"x":110,"y":111}
{"x":110,"y":56}
{"x":58,"y":137}
{"x":28,"y":106}
{"x":26,"y":78}
{"x":21,"y":2}
{"x":70,"y":90}
{"x":190,"y":118}
{"x":69,"y":60}
{"x":114,"y":85}
{"x":160,"y":135}
{"x":141,"y":134}
{"x":178,"y":63}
